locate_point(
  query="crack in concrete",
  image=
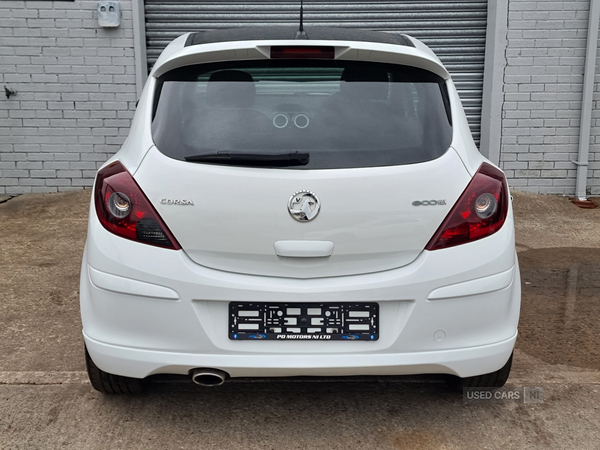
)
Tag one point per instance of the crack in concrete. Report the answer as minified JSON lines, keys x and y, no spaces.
{"x":42,"y":378}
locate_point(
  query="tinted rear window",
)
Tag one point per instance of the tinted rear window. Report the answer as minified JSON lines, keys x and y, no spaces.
{"x":345,"y":114}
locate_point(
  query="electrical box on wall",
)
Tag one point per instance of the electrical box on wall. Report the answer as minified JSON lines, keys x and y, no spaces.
{"x":109,"y":14}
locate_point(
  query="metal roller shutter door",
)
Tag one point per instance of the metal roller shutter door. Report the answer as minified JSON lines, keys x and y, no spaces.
{"x":454,"y":30}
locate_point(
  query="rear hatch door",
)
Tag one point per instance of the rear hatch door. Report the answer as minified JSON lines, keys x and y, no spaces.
{"x":230,"y":218}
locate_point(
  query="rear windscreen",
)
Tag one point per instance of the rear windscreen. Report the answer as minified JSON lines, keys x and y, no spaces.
{"x":341,"y":114}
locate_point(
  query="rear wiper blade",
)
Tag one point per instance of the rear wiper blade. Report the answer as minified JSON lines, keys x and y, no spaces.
{"x":253,"y":159}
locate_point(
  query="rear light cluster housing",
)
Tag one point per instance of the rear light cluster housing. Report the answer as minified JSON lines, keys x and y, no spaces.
{"x":124,"y":210}
{"x":479,"y":212}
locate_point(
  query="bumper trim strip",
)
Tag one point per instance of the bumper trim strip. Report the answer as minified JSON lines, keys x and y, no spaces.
{"x":123,"y":285}
{"x":474,"y":287}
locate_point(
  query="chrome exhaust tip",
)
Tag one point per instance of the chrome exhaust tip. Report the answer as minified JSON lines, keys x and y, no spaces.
{"x":209,"y":377}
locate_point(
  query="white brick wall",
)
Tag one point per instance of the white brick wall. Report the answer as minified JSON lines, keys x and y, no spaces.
{"x":75,"y":86}
{"x":542,"y":97}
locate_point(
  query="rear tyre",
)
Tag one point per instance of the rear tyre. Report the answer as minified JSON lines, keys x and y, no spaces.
{"x":489,"y":380}
{"x":108,"y":383}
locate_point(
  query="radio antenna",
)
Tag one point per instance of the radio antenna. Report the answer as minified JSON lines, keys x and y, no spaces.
{"x":301,"y":34}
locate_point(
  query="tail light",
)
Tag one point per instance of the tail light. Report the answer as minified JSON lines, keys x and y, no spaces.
{"x":479,"y":212}
{"x":124,"y":210}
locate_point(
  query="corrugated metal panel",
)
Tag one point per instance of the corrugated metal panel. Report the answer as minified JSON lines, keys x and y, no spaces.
{"x":454,"y":30}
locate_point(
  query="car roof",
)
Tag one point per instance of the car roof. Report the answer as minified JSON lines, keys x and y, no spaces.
{"x":289,"y":32}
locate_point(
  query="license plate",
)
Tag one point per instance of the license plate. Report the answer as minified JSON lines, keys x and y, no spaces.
{"x":304,"y":321}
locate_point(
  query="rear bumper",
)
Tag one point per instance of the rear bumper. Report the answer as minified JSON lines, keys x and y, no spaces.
{"x":450,"y":311}
{"x":139,"y":363}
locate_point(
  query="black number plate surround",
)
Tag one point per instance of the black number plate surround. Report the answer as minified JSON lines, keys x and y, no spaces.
{"x":304,"y":321}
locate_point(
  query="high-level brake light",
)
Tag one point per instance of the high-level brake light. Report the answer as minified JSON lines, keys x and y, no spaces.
{"x":302,"y":52}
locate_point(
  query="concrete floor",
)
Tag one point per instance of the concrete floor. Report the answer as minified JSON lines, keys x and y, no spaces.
{"x":47,"y":402}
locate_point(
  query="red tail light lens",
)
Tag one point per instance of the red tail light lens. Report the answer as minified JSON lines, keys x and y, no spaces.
{"x":124,"y":210}
{"x":479,"y":212}
{"x":294,"y":52}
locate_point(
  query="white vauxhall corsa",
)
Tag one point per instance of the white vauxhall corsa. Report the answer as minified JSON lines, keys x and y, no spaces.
{"x":290,"y":207}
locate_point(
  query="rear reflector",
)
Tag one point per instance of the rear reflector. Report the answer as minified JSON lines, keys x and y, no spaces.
{"x":479,"y":212}
{"x":297,"y":52}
